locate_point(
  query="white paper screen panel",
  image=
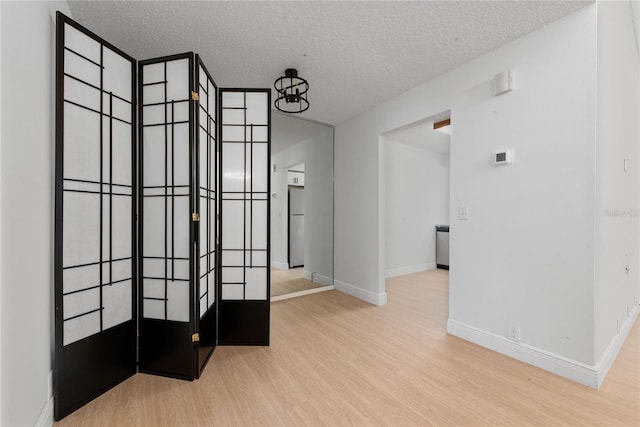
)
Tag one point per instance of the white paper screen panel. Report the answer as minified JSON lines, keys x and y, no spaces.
{"x":207,"y":189}
{"x":96,"y":187}
{"x":166,"y":190}
{"x":244,"y":192}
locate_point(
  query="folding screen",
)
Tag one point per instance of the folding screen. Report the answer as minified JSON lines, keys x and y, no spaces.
{"x":207,"y":188}
{"x":166,"y":206}
{"x":160,"y":184}
{"x":178,"y":215}
{"x":95,"y":293}
{"x":245,"y":205}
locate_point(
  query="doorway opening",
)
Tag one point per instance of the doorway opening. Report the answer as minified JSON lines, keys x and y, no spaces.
{"x":414,"y":207}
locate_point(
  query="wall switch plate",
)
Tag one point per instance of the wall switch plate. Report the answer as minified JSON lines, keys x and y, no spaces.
{"x":513,"y":333}
{"x":626,"y":165}
{"x":463,"y":213}
{"x":618,"y":325}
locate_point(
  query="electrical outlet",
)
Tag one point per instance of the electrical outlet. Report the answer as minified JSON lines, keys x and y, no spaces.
{"x":514,"y":333}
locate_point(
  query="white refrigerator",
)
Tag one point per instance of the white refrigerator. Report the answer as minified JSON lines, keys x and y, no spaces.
{"x":296,"y":227}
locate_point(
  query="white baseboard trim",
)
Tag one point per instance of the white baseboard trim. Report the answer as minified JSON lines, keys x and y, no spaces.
{"x":323,"y":280}
{"x":610,"y":354}
{"x":409,"y":269}
{"x":46,"y":415}
{"x":363,"y":294}
{"x":301,"y":293}
{"x":280,"y":265}
{"x":317,"y":278}
{"x":568,"y":368}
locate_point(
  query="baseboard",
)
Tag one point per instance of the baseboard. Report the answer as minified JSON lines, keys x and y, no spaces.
{"x":280,"y":265}
{"x":46,"y":415}
{"x":301,"y":293}
{"x":567,"y":368}
{"x":610,"y":354}
{"x":323,"y":280}
{"x":409,"y":269}
{"x":317,"y":278}
{"x":363,"y":294}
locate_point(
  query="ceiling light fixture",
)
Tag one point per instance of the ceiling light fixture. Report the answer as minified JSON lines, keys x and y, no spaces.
{"x":292,"y":92}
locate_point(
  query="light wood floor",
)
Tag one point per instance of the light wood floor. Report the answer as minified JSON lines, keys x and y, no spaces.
{"x":335,"y":360}
{"x":288,"y":281}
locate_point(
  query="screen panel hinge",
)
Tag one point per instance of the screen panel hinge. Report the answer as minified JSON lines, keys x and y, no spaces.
{"x":195,"y":217}
{"x":195,"y":96}
{"x":195,"y":337}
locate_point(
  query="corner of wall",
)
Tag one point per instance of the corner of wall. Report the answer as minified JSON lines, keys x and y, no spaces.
{"x":46,"y":415}
{"x":559,"y":365}
{"x":315,"y":277}
{"x":611,"y":353}
{"x":617,"y":256}
{"x":409,"y":269}
{"x":279,"y":265}
{"x":378,"y":299}
{"x":25,"y":392}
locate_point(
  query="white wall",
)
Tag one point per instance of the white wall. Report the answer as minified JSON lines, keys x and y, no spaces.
{"x":316,"y":153}
{"x":526,"y":254}
{"x":26,"y":200}
{"x":618,"y":136}
{"x":417,"y":199}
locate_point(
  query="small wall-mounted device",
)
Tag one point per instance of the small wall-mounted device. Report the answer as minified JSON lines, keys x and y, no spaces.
{"x":463,"y":213}
{"x":503,"y":157}
{"x":502,"y":83}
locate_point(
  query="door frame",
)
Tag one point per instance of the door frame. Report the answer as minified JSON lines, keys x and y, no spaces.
{"x":382,"y":194}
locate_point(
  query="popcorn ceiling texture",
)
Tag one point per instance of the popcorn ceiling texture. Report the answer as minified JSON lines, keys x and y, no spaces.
{"x":354,"y":54}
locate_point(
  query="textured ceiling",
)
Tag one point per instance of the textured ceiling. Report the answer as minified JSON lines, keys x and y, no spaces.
{"x":354,"y":54}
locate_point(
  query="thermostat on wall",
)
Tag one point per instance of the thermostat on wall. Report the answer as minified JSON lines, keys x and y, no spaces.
{"x":503,"y":157}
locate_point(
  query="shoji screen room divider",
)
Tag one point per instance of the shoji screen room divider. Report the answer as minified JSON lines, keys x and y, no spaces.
{"x":161,"y":246}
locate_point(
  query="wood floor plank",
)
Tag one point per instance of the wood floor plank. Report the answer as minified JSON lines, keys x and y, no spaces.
{"x":335,"y":360}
